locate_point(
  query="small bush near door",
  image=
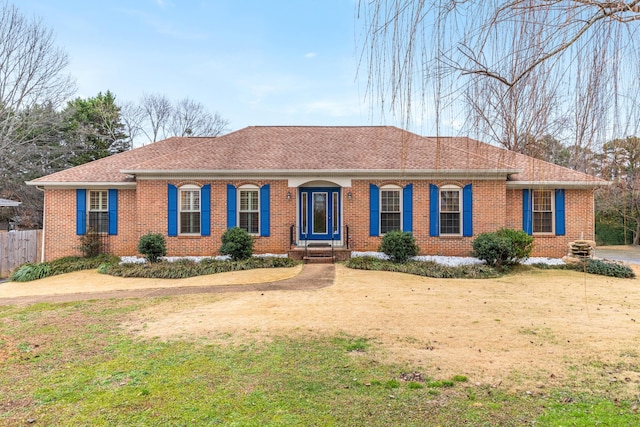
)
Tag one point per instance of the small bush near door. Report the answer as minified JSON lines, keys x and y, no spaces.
{"x":399,"y":246}
{"x":237,"y":243}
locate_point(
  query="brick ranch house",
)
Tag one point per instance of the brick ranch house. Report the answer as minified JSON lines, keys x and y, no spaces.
{"x":294,"y":187}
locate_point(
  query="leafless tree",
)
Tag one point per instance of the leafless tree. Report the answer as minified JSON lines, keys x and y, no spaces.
{"x":190,"y":118}
{"x":157,"y":111}
{"x":132,"y":116}
{"x":560,"y":67}
{"x":157,"y":117}
{"x":31,"y":74}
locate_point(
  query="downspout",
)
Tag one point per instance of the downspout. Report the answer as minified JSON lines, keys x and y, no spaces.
{"x":44,"y":219}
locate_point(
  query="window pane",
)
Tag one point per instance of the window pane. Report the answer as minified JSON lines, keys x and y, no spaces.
{"x":389,"y":222}
{"x":190,"y":222}
{"x":248,"y":200}
{"x":543,"y":222}
{"x":98,"y":200}
{"x":304,"y":213}
{"x":319,"y":213}
{"x":450,"y":201}
{"x":449,"y":223}
{"x":99,"y":222}
{"x":390,"y":201}
{"x":190,"y":200}
{"x":249,"y":222}
{"x":542,"y":200}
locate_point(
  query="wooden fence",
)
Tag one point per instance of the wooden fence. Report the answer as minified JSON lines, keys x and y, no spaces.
{"x":18,"y":247}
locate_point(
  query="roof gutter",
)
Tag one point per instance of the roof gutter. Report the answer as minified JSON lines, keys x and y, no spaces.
{"x":556,"y":184}
{"x":82,"y":184}
{"x":354,"y":173}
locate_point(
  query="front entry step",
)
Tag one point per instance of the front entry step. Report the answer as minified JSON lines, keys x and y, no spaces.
{"x":320,"y":255}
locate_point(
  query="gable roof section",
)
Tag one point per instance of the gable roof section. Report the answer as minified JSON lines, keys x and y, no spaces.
{"x":291,"y":150}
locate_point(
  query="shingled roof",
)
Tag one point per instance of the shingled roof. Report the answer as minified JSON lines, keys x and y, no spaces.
{"x":283,"y":150}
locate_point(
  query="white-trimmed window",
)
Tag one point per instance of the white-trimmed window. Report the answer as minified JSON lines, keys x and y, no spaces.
{"x":189,"y":209}
{"x":249,"y":212}
{"x":543,"y":211}
{"x":98,"y":210}
{"x":450,"y":210}
{"x":390,"y":209}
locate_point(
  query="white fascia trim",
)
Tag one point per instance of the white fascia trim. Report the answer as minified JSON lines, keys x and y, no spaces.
{"x":486,"y":174}
{"x":517,"y":185}
{"x":82,"y":184}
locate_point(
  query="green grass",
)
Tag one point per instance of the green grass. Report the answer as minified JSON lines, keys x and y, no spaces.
{"x":70,"y":364}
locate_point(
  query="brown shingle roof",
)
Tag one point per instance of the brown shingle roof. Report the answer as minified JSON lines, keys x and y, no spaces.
{"x":108,"y":169}
{"x":317,"y":148}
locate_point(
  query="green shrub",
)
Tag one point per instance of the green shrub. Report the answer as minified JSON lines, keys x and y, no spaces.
{"x":399,"y":246}
{"x":612,"y":269}
{"x":28,"y":272}
{"x":185,"y":268}
{"x":421,"y":268}
{"x":91,"y":244}
{"x":237,"y":243}
{"x":503,"y":247}
{"x":152,"y":246}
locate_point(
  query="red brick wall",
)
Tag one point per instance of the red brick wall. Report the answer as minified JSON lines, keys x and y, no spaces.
{"x":60,"y":224}
{"x":144,"y":210}
{"x":489,"y":211}
{"x":579,"y":222}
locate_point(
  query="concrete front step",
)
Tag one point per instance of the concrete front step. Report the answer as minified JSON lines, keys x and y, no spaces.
{"x":338,"y":254}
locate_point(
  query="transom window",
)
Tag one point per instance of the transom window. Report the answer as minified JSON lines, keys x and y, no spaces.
{"x":542,"y":211}
{"x":189,"y":209}
{"x":98,"y":211}
{"x":450,"y":210}
{"x":249,"y":212}
{"x":390,"y":210}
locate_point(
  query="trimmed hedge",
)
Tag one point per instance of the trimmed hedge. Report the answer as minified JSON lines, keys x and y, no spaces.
{"x":152,"y":246}
{"x":237,"y":243}
{"x":399,"y":246}
{"x":503,"y":248}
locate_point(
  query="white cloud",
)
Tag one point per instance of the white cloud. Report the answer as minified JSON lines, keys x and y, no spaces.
{"x":310,"y":55}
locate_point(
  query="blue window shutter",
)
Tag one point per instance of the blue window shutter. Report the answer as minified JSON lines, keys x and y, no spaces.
{"x":172,"y":213}
{"x":81,"y":212}
{"x":205,"y":210}
{"x":467,"y":210}
{"x":374,"y":210}
{"x":527,"y":211}
{"x":434,"y":217}
{"x":560,"y":221}
{"x":232,"y":197}
{"x":113,"y":212}
{"x":265,"y":220}
{"x":407,"y":208}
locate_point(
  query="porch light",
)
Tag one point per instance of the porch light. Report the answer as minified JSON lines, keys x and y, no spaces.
{"x":349,"y":195}
{"x":288,"y":195}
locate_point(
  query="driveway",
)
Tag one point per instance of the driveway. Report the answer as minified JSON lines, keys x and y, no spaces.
{"x":625,"y":253}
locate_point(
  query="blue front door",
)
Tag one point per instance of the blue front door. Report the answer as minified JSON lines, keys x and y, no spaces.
{"x":319,"y":214}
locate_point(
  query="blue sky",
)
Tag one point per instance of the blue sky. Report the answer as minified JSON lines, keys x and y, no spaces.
{"x":256,"y":62}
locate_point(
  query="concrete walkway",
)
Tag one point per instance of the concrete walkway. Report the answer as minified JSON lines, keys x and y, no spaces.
{"x":312,"y":276}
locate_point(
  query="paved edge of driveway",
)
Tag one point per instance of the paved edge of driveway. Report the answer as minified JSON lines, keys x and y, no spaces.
{"x":312,"y":276}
